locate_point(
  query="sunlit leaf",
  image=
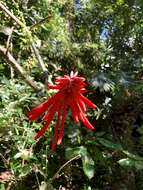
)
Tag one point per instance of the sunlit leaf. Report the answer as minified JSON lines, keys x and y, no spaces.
{"x":128,"y":162}
{"x":88,"y":166}
{"x":133,"y":156}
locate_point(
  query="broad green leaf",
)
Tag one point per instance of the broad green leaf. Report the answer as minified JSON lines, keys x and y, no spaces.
{"x":139,"y":165}
{"x":2,"y":187}
{"x":101,"y":133}
{"x":133,"y":156}
{"x":87,"y":161}
{"x":18,"y":155}
{"x":72,"y":152}
{"x":92,"y":142}
{"x":109,"y":144}
{"x":88,"y":166}
{"x":128,"y":162}
{"x":50,"y":186}
{"x":46,"y":186}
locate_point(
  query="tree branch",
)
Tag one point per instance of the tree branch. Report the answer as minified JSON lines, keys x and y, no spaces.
{"x":11,"y":15}
{"x":12,"y":62}
{"x":35,"y":50}
{"x":38,"y":56}
{"x":41,"y":22}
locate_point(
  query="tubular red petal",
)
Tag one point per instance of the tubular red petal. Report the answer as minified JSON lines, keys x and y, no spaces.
{"x":54,"y":107}
{"x":62,"y":124}
{"x":83,"y":118}
{"x":86,"y":123}
{"x":83,"y":90}
{"x":53,"y":86}
{"x":67,"y":76}
{"x":82,"y":105}
{"x":74,"y":111}
{"x":54,"y":141}
{"x":44,"y":128}
{"x":87,"y":101}
{"x":39,"y":110}
{"x":49,"y":118}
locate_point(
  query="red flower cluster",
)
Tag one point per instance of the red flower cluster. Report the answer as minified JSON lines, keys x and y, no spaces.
{"x":69,"y":95}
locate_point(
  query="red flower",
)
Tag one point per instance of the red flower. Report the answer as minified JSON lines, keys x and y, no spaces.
{"x":69,"y":95}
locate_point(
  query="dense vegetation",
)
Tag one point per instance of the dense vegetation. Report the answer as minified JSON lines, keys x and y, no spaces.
{"x":103,"y":41}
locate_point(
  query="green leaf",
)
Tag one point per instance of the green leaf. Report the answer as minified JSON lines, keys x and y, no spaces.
{"x":72,"y":152}
{"x":46,"y":186}
{"x":25,"y":171}
{"x":49,"y":186}
{"x":109,"y":144}
{"x":99,"y":134}
{"x":18,"y":155}
{"x":120,"y":2}
{"x":139,"y":165}
{"x":2,"y":187}
{"x":128,"y":162}
{"x":92,"y":142}
{"x":133,"y":156}
{"x":88,"y":166}
{"x":87,"y":161}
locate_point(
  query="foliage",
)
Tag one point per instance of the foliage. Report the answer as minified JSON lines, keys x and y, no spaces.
{"x":102,"y":40}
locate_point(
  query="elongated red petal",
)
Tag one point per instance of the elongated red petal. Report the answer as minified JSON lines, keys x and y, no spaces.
{"x":44,"y":128}
{"x":73,"y":110}
{"x":49,"y":118}
{"x":83,"y":90}
{"x":55,"y":106}
{"x":54,"y":141}
{"x":62,"y":124}
{"x":87,"y":101}
{"x":83,"y":118}
{"x":82,"y":105}
{"x":39,"y":110}
{"x":53,"y":86}
{"x":86,"y":123}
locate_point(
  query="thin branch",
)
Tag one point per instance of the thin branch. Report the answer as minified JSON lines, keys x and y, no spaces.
{"x":9,"y":46}
{"x":38,"y":56}
{"x":12,"y":62}
{"x":35,"y":50}
{"x":11,"y":15}
{"x":59,"y":170}
{"x":8,"y":43}
{"x":40,"y":22}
